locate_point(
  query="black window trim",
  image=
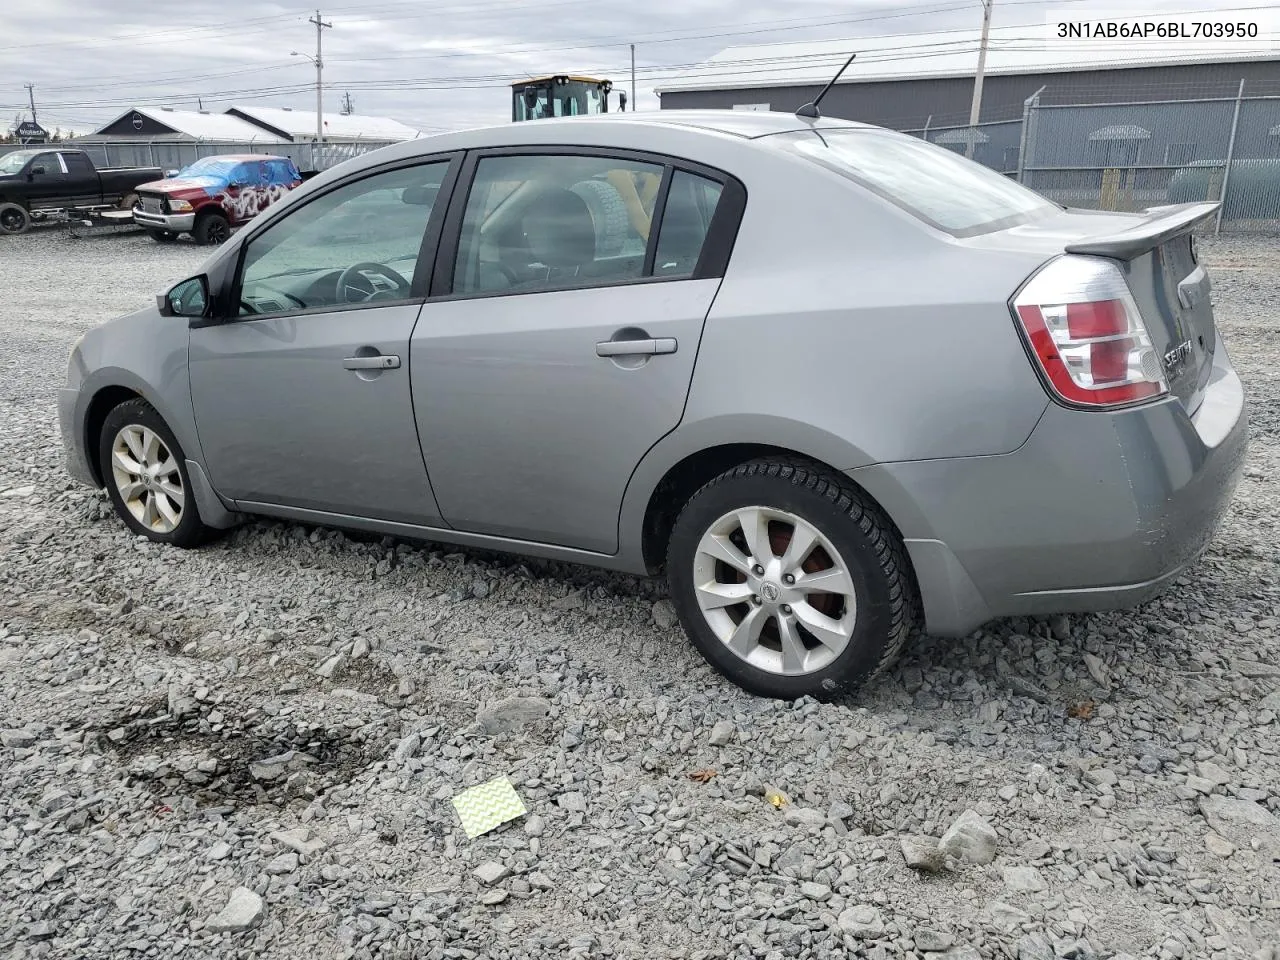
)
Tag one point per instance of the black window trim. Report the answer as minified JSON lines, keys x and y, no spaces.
{"x":716,"y":248}
{"x":226,"y":299}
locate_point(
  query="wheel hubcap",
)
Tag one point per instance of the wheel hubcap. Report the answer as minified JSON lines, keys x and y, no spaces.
{"x":774,"y":590}
{"x":147,"y":478}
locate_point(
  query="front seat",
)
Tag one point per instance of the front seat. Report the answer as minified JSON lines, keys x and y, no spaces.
{"x":561,"y":234}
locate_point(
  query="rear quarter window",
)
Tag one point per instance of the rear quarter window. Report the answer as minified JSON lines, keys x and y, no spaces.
{"x":946,"y":191}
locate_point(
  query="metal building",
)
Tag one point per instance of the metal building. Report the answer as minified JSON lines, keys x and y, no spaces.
{"x":918,"y":81}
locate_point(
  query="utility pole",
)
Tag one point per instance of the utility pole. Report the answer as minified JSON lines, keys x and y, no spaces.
{"x":347,"y":108}
{"x":976,"y":107}
{"x":31,"y":97}
{"x":633,"y":76}
{"x":320,"y":26}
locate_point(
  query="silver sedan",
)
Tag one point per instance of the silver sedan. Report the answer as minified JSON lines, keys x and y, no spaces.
{"x":834,"y":381}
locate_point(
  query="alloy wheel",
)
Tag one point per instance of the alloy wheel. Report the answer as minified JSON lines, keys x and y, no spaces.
{"x":774,"y":590}
{"x":147,"y":477}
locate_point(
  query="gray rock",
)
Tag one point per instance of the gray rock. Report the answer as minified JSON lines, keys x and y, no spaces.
{"x":1255,"y":670}
{"x":863,"y":922}
{"x":1098,"y":669}
{"x":815,"y":891}
{"x":219,"y":851}
{"x":145,"y":847}
{"x":40,"y":930}
{"x":722,"y":733}
{"x":490,"y":872}
{"x":922,"y":853}
{"x":242,"y":912}
{"x":1022,"y":879}
{"x":491,"y":898}
{"x":804,"y":817}
{"x":17,"y":739}
{"x":573,"y":802}
{"x":1219,"y":846}
{"x":284,"y":863}
{"x":839,"y":810}
{"x":964,"y":952}
{"x":1213,"y":773}
{"x":1060,"y":627}
{"x":664,"y":615}
{"x":970,"y":839}
{"x":1034,"y":946}
{"x":1225,"y":810}
{"x":1270,"y":702}
{"x":512,"y":714}
{"x":930,"y":940}
{"x":300,"y":841}
{"x":534,"y":825}
{"x":331,"y":666}
{"x":1036,"y":849}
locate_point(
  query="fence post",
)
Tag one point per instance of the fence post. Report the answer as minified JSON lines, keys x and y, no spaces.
{"x":1231,"y":150}
{"x":1029,"y":105}
{"x":925,"y":135}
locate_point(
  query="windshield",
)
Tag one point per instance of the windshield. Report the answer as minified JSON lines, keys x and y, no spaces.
{"x":220,"y":167}
{"x":934,"y":184}
{"x":11,"y":163}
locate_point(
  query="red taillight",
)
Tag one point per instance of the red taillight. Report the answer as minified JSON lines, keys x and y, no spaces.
{"x":1087,"y":334}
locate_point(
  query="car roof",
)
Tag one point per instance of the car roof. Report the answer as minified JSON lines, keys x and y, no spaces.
{"x":742,"y":123}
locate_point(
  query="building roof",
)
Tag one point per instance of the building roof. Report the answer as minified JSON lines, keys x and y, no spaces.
{"x":198,"y":125}
{"x":954,"y":53}
{"x":301,"y":124}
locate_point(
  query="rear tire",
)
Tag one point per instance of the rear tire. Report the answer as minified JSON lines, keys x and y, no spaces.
{"x":146,"y":477}
{"x":162,"y":236}
{"x":211,"y":229}
{"x":14,"y":219}
{"x":752,"y":618}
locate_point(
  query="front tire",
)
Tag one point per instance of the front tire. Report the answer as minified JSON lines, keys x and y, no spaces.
{"x":790,"y":581}
{"x":14,"y":219}
{"x":162,"y":236}
{"x":211,"y":229}
{"x":146,"y":476}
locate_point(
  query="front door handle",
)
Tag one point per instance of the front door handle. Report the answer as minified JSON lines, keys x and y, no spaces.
{"x":379,"y":362}
{"x":628,"y":348}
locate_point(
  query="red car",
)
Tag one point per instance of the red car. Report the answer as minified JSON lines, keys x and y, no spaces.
{"x":213,"y":195}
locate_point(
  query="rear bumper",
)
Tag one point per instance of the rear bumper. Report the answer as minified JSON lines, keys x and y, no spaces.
{"x":1096,"y":511}
{"x":177,"y":222}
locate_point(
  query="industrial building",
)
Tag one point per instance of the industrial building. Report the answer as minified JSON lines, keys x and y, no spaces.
{"x":910,"y":82}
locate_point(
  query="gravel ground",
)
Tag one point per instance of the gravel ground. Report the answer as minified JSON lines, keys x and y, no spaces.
{"x":251,"y":749}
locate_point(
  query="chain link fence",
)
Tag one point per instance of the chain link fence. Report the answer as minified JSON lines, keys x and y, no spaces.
{"x":1141,"y":153}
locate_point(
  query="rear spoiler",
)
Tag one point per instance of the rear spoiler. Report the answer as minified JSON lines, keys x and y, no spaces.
{"x":1162,"y":223}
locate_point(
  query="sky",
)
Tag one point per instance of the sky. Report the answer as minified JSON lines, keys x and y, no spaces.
{"x":433,"y":64}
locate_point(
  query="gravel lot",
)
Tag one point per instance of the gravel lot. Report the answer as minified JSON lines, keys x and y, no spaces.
{"x":1128,"y":765}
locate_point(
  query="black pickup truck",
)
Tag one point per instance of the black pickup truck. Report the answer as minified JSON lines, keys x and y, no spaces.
{"x":36,"y":181}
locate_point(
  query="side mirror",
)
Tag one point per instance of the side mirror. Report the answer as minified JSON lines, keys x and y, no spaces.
{"x":170,"y":174}
{"x":38,"y":170}
{"x":190,"y":298}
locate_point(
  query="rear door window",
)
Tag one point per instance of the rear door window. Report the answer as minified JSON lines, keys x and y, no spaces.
{"x":935,"y":185}
{"x":542,"y":222}
{"x":686,"y":220}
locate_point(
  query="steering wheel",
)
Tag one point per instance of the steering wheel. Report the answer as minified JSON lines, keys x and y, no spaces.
{"x":353,"y":281}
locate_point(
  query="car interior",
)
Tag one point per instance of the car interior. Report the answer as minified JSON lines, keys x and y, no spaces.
{"x":552,"y":229}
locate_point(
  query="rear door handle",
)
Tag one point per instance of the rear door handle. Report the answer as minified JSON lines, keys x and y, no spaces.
{"x":379,"y":362}
{"x":628,"y":348}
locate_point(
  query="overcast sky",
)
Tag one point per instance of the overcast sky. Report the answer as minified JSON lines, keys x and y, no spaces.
{"x":435,"y":64}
